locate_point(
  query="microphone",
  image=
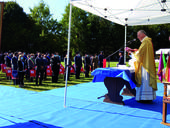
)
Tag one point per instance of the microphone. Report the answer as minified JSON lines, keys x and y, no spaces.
{"x":130,"y":41}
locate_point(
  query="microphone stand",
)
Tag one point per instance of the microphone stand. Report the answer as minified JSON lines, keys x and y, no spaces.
{"x":115,"y":53}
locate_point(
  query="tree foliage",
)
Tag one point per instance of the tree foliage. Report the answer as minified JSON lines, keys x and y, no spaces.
{"x":51,"y":39}
{"x":41,"y":14}
{"x":89,"y":33}
{"x":17,"y":29}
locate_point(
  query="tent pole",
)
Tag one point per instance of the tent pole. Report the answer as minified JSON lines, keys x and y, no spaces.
{"x":126,"y":19}
{"x":125,"y":43}
{"x":68,"y":52}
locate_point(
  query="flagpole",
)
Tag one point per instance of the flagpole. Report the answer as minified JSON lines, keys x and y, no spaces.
{"x":68,"y":51}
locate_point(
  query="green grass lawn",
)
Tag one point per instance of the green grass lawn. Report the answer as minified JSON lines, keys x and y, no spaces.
{"x":48,"y":85}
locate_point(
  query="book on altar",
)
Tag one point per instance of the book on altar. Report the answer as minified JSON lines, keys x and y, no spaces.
{"x":124,"y":67}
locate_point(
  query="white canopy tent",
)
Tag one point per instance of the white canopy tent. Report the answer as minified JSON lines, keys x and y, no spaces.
{"x":137,"y":12}
{"x":125,"y":12}
{"x":163,"y":50}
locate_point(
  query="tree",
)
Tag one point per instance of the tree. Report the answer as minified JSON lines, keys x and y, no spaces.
{"x":50,"y":37}
{"x":90,"y":33}
{"x":41,"y":14}
{"x":18,"y":30}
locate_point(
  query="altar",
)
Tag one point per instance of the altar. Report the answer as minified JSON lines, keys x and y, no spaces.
{"x":115,"y":78}
{"x":126,"y":73}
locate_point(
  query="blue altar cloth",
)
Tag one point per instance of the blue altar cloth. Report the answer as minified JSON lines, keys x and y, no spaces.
{"x":101,"y":73}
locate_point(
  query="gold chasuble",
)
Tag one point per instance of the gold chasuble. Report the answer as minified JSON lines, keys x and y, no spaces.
{"x":145,"y":58}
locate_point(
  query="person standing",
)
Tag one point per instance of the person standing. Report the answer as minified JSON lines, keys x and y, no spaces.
{"x":45,"y":66}
{"x":31,"y":66}
{"x":21,"y":71}
{"x":14,"y":63}
{"x":55,"y":66}
{"x":39,"y":69}
{"x":95,"y":62}
{"x":145,"y":69}
{"x":100,"y":58}
{"x":8,"y":59}
{"x":78,"y":64}
{"x":91,"y":62}
{"x":87,"y":63}
{"x":48,"y":58}
{"x":121,"y":58}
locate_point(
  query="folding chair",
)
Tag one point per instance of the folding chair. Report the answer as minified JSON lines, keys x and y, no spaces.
{"x":72,"y":71}
{"x":32,"y":73}
{"x":49,"y":72}
{"x":8,"y":73}
{"x":62,"y":69}
{"x":15,"y":76}
{"x":3,"y":68}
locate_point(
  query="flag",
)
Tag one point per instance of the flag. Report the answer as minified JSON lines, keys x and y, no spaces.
{"x":164,"y":60}
{"x":160,"y":68}
{"x":167,"y":72}
{"x":104,"y":63}
{"x":164,"y":63}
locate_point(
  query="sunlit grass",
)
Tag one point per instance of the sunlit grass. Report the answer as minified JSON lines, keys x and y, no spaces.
{"x":48,"y":85}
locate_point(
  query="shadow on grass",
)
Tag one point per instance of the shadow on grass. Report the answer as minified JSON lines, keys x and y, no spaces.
{"x":47,"y":84}
{"x":35,"y":88}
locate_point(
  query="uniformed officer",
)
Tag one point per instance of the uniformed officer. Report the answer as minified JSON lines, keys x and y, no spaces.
{"x":87,"y":63}
{"x":121,"y":58}
{"x":39,"y":69}
{"x":55,"y":66}
{"x":78,"y":64}
{"x":100,"y":58}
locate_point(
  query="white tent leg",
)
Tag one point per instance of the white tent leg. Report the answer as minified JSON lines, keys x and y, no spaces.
{"x":125,"y":44}
{"x":68,"y":51}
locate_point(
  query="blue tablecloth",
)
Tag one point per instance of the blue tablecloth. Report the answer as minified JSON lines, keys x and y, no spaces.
{"x":101,"y":73}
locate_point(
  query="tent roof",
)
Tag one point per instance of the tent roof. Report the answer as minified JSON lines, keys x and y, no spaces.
{"x":137,"y":12}
{"x":164,"y":50}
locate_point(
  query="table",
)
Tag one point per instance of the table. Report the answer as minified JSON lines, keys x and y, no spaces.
{"x":126,"y":73}
{"x":126,"y":76}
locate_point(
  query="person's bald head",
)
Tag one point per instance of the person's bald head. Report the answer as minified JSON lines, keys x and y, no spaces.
{"x":141,"y":34}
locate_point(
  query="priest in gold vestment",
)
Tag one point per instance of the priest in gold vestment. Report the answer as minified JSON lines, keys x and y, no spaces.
{"x":145,"y":69}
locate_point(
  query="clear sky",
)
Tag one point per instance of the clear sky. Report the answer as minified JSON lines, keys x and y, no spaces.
{"x":57,"y":7}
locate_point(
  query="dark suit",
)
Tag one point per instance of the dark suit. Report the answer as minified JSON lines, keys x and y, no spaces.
{"x":14,"y":69}
{"x":48,"y":60}
{"x":55,"y":66}
{"x":100,"y":57}
{"x":21,"y":68}
{"x":45,"y":67}
{"x":8,"y":61}
{"x":14,"y":63}
{"x":121,"y":60}
{"x":87,"y":63}
{"x":31,"y":65}
{"x":78,"y":65}
{"x":39,"y":70}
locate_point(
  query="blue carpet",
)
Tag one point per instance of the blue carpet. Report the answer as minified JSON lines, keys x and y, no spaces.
{"x":20,"y":108}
